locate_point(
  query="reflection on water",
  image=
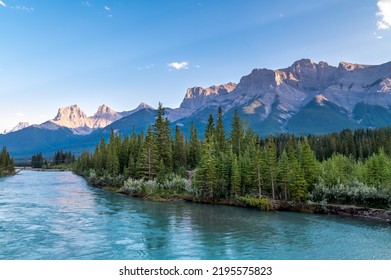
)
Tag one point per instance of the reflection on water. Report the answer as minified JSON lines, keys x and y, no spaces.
{"x":56,"y":215}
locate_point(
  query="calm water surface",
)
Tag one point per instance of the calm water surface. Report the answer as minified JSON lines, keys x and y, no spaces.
{"x":57,"y":215}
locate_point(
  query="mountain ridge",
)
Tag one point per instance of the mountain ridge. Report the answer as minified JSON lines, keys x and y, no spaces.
{"x":306,"y":97}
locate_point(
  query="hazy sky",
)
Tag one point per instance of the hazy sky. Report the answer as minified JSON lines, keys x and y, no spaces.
{"x":119,"y":53}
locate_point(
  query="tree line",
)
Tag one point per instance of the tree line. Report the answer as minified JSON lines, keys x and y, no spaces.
{"x":240,"y":164}
{"x":60,"y":158}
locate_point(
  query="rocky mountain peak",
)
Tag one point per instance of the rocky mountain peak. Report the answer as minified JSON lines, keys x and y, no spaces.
{"x":258,"y":79}
{"x":69,"y":114}
{"x":105,"y":111}
{"x":346,"y":66}
{"x":143,"y":105}
{"x":197,"y":96}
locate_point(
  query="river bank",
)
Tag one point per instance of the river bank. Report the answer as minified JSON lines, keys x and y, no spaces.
{"x":265,"y":204}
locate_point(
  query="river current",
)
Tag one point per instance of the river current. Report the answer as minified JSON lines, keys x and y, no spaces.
{"x":57,"y":215}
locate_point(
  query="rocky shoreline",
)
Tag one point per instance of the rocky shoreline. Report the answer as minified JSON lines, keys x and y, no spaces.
{"x":381,"y":215}
{"x":332,"y":209}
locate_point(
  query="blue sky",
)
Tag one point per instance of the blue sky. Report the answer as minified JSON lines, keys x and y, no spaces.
{"x":119,"y":53}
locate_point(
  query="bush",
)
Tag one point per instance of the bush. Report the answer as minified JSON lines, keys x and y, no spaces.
{"x":355,"y":193}
{"x":177,"y":185}
{"x":262,"y":203}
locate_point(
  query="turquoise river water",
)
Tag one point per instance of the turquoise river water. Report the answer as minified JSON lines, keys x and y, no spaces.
{"x":57,"y":215}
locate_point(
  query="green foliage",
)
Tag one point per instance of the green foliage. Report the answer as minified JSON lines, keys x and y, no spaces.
{"x":171,"y":186}
{"x":206,"y":172}
{"x":261,"y":203}
{"x":235,"y":177}
{"x":237,"y":133}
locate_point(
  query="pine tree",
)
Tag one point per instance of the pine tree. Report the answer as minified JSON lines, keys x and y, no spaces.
{"x":284,"y":171}
{"x":162,"y":134}
{"x":6,"y":163}
{"x":298,"y":185}
{"x":237,"y":133}
{"x":147,"y":165}
{"x":220,"y":132}
{"x":272,"y":164}
{"x":235,"y":177}
{"x":206,"y":175}
{"x":209,"y":130}
{"x":309,"y":165}
{"x":260,"y":167}
{"x":194,"y":147}
{"x":179,"y":150}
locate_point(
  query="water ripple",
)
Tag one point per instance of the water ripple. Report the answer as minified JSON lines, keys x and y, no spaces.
{"x":57,"y":215}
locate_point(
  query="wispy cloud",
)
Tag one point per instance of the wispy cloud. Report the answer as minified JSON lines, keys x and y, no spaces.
{"x":178,"y":65}
{"x":384,"y":14}
{"x":86,"y":4}
{"x":23,"y":8}
{"x":108,"y":11}
{"x":17,"y":7}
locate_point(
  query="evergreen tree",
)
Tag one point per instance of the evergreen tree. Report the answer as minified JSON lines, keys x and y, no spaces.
{"x":271,"y":153}
{"x":206,"y":175}
{"x":298,"y":185}
{"x":179,"y":150}
{"x":147,"y":165}
{"x":284,"y":174}
{"x":309,"y":165}
{"x":6,"y":163}
{"x":194,"y":147}
{"x":220,"y":132}
{"x":237,"y":133}
{"x":209,"y":130}
{"x":37,"y":161}
{"x":162,"y":134}
{"x":235,"y":177}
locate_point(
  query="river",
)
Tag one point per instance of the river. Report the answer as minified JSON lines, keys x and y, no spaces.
{"x":57,"y":215}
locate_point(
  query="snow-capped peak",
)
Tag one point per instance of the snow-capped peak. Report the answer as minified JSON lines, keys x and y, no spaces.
{"x":19,"y":126}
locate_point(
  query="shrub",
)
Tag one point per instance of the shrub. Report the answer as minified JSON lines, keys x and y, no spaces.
{"x":262,"y":203}
{"x":352,"y":193}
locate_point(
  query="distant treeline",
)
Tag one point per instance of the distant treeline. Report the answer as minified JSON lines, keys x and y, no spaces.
{"x":59,"y":158}
{"x":6,"y":163}
{"x":358,"y":144}
{"x":346,"y":167}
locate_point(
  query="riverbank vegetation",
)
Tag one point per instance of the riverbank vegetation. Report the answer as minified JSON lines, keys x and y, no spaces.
{"x":238,"y":166}
{"x":6,"y":163}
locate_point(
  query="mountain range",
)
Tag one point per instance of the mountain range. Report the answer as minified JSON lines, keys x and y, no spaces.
{"x":307,"y":97}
